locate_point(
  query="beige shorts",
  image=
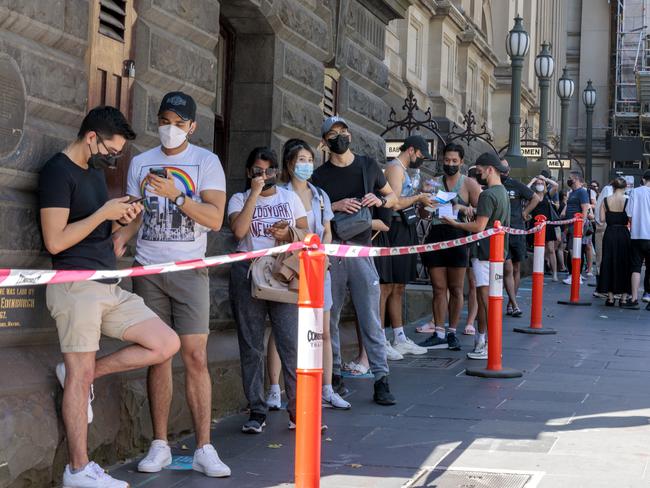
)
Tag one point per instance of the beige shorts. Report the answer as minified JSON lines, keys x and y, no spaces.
{"x":85,"y":310}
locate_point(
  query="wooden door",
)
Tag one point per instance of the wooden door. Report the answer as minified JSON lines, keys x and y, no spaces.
{"x":225,"y":49}
{"x":110,"y":74}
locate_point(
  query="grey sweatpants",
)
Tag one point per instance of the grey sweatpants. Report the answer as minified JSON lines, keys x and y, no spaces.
{"x":250,"y":315}
{"x":359,"y":275}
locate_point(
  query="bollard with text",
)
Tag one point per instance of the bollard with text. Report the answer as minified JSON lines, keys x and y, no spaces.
{"x":495,"y":313}
{"x":576,"y":265}
{"x":310,"y":364}
{"x":537,"y":303}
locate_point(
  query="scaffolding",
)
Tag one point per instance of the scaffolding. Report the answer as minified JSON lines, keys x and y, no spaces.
{"x":632,"y":90}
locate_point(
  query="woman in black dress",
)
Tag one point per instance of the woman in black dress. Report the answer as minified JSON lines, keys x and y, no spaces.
{"x":544,"y":207}
{"x":615,"y":272}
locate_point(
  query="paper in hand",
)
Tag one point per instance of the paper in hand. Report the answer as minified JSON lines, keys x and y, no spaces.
{"x":447,"y":210}
{"x":445,"y":196}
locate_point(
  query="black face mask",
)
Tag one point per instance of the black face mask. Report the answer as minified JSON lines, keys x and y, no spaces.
{"x":569,"y":183}
{"x":103,"y":161}
{"x":503,"y":177}
{"x":481,"y":179}
{"x":417,"y":163}
{"x":339,"y":144}
{"x":268,"y":184}
{"x":450,"y":170}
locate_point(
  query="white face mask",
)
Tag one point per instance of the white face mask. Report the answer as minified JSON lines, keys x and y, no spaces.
{"x":171,"y":136}
{"x":539,"y":188}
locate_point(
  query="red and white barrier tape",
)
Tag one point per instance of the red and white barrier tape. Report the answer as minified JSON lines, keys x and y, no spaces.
{"x":30,"y":277}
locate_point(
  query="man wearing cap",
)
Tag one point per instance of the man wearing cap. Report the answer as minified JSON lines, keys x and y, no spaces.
{"x":184,"y":191}
{"x":518,"y":194}
{"x":493,"y":205}
{"x":396,"y":271}
{"x":352,"y":182}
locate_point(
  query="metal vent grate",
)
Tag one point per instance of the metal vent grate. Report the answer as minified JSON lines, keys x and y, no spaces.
{"x":112,"y":18}
{"x":427,"y":362}
{"x":330,"y":96}
{"x":452,"y":478}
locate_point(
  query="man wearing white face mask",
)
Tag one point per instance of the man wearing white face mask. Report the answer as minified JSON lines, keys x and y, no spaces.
{"x":184,"y":191}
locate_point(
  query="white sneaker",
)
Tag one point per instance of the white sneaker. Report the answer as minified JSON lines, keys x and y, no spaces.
{"x":158,"y":457}
{"x":92,"y":476}
{"x":273,"y":400}
{"x":60,"y":375}
{"x":407,"y":346}
{"x":334,"y":400}
{"x":479,"y":352}
{"x":567,"y":280}
{"x":206,"y":461}
{"x":391,"y":353}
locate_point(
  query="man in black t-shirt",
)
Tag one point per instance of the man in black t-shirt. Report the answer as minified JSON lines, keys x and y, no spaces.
{"x":353,"y":182}
{"x":518,"y":194}
{"x":78,"y":221}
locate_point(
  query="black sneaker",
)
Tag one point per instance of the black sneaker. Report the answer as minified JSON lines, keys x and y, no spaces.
{"x":453,"y":342}
{"x":434,"y":342}
{"x":255,"y":424}
{"x":647,"y":307}
{"x":382,"y":395}
{"x":631,"y":305}
{"x":338,"y":385}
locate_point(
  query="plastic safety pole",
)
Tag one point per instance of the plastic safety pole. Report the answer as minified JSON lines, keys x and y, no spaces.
{"x":309,"y":371}
{"x":495,"y":312}
{"x":576,"y":264}
{"x":537,"y":303}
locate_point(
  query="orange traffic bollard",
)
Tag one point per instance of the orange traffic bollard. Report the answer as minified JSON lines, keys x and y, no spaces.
{"x":310,"y":364}
{"x":495,"y":313}
{"x":576,"y":264}
{"x":538,"y":283}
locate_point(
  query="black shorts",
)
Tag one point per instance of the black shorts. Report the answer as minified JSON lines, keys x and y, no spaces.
{"x":640,"y":252}
{"x":516,"y":248}
{"x":455,"y":257}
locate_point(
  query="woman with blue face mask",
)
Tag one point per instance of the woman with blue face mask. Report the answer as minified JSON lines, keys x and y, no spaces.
{"x":297,"y":168}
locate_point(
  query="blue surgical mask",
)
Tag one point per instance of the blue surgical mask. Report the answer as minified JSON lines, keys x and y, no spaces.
{"x":303,"y":171}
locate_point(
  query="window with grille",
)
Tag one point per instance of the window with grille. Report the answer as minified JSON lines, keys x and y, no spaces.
{"x":112,"y":19}
{"x":330,"y":93}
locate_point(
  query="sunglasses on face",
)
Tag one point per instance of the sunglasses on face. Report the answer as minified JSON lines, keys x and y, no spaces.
{"x":269,"y":172}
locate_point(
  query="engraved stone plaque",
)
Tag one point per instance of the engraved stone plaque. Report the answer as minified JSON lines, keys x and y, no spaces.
{"x":12,"y":106}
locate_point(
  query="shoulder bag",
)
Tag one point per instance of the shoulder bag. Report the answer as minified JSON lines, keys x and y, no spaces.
{"x":345,"y":225}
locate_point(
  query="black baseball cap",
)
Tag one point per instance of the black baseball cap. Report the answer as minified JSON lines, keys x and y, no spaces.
{"x":180,"y":103}
{"x":417,"y":142}
{"x":491,"y":159}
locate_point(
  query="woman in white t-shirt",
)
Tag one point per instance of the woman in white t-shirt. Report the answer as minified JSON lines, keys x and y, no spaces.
{"x":297,"y":168}
{"x":259,"y":218}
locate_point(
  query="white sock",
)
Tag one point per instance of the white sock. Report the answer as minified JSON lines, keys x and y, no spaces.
{"x":275,"y":388}
{"x":398,"y":333}
{"x":481,"y":338}
{"x":327,"y":390}
{"x":440,"y":332}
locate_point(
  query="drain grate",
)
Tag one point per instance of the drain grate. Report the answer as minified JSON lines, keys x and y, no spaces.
{"x":452,"y":478}
{"x":426,"y":362}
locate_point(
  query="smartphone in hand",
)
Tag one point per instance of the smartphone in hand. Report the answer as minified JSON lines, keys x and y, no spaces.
{"x":133,"y":199}
{"x":161,"y":172}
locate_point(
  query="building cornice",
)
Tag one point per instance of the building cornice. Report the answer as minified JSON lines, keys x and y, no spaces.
{"x":387,"y":10}
{"x":444,"y":8}
{"x":472,"y":36}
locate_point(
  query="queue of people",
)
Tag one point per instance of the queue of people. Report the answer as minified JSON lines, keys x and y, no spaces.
{"x":177,"y":194}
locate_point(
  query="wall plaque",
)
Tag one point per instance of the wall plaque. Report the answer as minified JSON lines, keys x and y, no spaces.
{"x":12,"y":106}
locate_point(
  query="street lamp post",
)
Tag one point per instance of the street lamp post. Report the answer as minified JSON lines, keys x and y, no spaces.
{"x":517,"y":45}
{"x":544,"y":67}
{"x":565,"y":87}
{"x":589,"y":99}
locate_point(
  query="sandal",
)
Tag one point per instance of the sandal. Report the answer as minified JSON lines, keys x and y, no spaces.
{"x":428,"y":328}
{"x":469,"y":330}
{"x":516,"y":312}
{"x":509,"y":309}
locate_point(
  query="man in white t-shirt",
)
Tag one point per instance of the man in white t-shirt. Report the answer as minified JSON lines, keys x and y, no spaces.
{"x":184,"y":191}
{"x":638,"y":209}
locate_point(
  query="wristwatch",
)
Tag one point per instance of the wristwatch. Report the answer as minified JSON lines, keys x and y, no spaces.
{"x":179,"y":201}
{"x":382,"y":200}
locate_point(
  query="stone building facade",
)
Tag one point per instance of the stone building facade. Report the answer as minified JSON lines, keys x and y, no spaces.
{"x":257,"y":69}
{"x":452,"y":54}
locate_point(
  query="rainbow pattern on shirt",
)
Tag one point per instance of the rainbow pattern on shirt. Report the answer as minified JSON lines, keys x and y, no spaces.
{"x":186,"y":181}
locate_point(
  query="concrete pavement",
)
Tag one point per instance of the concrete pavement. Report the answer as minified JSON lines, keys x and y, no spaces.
{"x":578,"y":417}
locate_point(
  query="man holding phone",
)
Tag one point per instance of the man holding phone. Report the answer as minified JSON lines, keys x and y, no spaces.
{"x":184,"y":191}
